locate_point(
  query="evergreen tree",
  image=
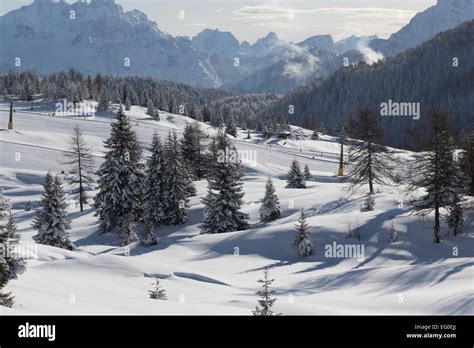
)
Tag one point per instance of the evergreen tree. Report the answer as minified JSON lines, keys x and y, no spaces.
{"x":295,"y":176}
{"x":153,"y":212}
{"x":79,"y":156}
{"x":369,"y":157}
{"x":150,"y":111}
{"x":118,"y":201}
{"x":302,"y":240}
{"x":128,"y":104}
{"x":104,"y":102}
{"x":225,"y":197}
{"x":467,"y":162}
{"x":206,"y":114}
{"x":369,"y":203}
{"x":307,"y":174}
{"x":455,"y":216}
{"x":6,"y":299}
{"x":266,"y":302}
{"x":270,"y":209}
{"x":28,"y":206}
{"x":5,"y":205}
{"x":51,"y":221}
{"x":315,"y":135}
{"x":9,"y":239}
{"x":177,"y":185}
{"x":231,"y":128}
{"x":191,"y":150}
{"x":158,"y":293}
{"x":436,"y":170}
{"x":156,"y":114}
{"x":392,"y":234}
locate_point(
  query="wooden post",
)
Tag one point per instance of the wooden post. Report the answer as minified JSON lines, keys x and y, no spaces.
{"x":10,"y":121}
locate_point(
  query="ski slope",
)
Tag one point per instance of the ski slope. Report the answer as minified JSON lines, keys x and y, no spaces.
{"x":217,"y":274}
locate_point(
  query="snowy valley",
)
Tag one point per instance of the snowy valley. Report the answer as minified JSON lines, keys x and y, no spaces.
{"x":218,"y":273}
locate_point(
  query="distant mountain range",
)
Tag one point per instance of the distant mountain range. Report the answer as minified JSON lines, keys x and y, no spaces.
{"x":49,"y":36}
{"x":438,"y":73}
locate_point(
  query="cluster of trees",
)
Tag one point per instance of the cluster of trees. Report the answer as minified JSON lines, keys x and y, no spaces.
{"x":445,"y":173}
{"x":432,"y":74}
{"x":11,"y":260}
{"x":208,"y":105}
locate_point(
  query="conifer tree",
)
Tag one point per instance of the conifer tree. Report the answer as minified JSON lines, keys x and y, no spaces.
{"x":150,"y":111}
{"x":437,"y":171}
{"x":153,"y":212}
{"x":392,"y":233}
{"x":128,"y":104}
{"x":225,"y":197}
{"x":9,"y":239}
{"x":5,"y":205}
{"x":231,"y":128}
{"x":369,"y":156}
{"x":6,"y":298}
{"x":191,"y":150}
{"x":104,"y":102}
{"x":79,"y":157}
{"x":295,"y":176}
{"x":158,"y":293}
{"x":118,"y":202}
{"x":266,"y":302}
{"x":177,"y":184}
{"x":455,"y":216}
{"x":302,"y":241}
{"x":51,"y":221}
{"x":467,"y":162}
{"x":369,"y":203}
{"x":270,"y":209}
{"x":307,"y":174}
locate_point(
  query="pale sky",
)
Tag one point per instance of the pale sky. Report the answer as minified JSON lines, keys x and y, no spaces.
{"x":292,"y":20}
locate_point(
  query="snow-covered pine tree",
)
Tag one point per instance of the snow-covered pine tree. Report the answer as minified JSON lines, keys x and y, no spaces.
{"x":128,"y":104}
{"x":51,"y":221}
{"x":191,"y":150}
{"x":230,"y":127}
{"x":150,"y":111}
{"x":392,"y":233}
{"x":369,"y":157}
{"x":156,"y":114}
{"x":369,"y":203}
{"x":248,"y":134}
{"x":9,"y":239}
{"x":270,"y":209}
{"x":79,"y":157}
{"x":225,"y":197}
{"x":158,"y":293}
{"x":5,"y":205}
{"x":302,"y":241}
{"x":6,"y":298}
{"x":266,"y":302}
{"x":307,"y":174}
{"x":455,"y":216}
{"x":295,"y":176}
{"x":315,"y":135}
{"x":436,"y":170}
{"x":104,"y":102}
{"x":118,"y":201}
{"x":467,"y":162}
{"x":153,"y":213}
{"x":177,"y":184}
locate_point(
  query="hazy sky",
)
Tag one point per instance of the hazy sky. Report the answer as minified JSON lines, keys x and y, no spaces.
{"x":293,"y":20}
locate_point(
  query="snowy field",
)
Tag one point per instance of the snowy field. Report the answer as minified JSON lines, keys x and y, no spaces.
{"x":217,"y":274}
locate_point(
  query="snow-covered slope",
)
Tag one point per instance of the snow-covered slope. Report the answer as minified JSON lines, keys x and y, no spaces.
{"x":446,"y":14}
{"x":217,"y":274}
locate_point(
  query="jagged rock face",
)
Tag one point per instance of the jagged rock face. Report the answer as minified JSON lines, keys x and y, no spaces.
{"x":446,"y":14}
{"x":98,"y":37}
